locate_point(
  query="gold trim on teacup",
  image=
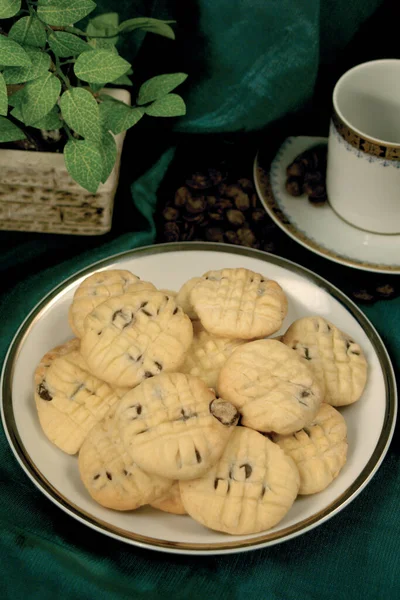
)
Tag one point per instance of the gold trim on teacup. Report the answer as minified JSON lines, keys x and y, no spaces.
{"x":364,"y":143}
{"x":231,"y":544}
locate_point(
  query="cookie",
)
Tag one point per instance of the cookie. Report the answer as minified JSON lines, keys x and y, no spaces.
{"x":171,"y":293}
{"x":319,"y":450}
{"x":271,"y":385}
{"x":109,"y":474}
{"x":207,"y":354}
{"x":173,"y":425}
{"x":239,"y":303}
{"x":70,"y":401}
{"x":336,"y":359}
{"x":171,"y":502}
{"x":98,"y":287}
{"x":183,"y":298}
{"x":132,"y":337}
{"x":250,"y":489}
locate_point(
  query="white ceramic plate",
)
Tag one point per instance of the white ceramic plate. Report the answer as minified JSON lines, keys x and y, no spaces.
{"x":319,"y":228}
{"x":370,"y":421}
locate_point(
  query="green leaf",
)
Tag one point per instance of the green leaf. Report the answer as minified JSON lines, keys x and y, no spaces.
{"x":118,"y":116}
{"x":170,"y":105}
{"x":96,"y":87}
{"x":84,"y":163}
{"x":10,"y":132}
{"x":108,"y":151}
{"x":100,"y":66}
{"x":64,"y":12}
{"x":106,"y":24}
{"x":40,"y":65}
{"x":17,"y":114}
{"x":66,"y":44}
{"x":12,"y":54}
{"x":151,"y":25}
{"x":103,"y":44}
{"x":9,"y":8}
{"x":50,"y":121}
{"x":40,"y":95}
{"x":16,"y":98}
{"x":3,"y":96}
{"x":81,"y":112}
{"x":123,"y":80}
{"x":159,"y":86}
{"x":29,"y":31}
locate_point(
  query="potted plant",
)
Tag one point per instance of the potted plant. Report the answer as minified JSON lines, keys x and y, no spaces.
{"x":67,"y":126}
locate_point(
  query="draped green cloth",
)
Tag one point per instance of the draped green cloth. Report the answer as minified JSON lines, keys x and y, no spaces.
{"x":256,"y":67}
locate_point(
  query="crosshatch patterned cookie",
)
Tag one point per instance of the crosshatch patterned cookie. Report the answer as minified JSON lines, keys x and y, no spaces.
{"x":271,"y":385}
{"x":336,"y":359}
{"x":70,"y":401}
{"x":239,"y":303}
{"x":207,"y":354}
{"x":171,"y":502}
{"x":96,"y":288}
{"x":183,"y":298}
{"x":250,"y":489}
{"x":319,"y":450}
{"x":109,"y":474}
{"x":173,"y":425}
{"x":135,"y":336}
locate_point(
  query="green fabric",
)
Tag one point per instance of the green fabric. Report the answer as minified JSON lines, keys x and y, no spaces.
{"x":252,"y":64}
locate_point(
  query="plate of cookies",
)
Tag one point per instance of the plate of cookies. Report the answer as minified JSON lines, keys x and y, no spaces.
{"x":198,"y":398}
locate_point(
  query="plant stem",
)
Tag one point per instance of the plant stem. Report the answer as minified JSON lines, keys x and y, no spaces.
{"x":68,"y":131}
{"x":23,"y":127}
{"x":61,"y":75}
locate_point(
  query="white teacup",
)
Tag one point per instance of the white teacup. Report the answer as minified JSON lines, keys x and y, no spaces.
{"x":363,"y":172}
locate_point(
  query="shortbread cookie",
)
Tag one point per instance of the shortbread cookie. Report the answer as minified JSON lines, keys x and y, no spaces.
{"x":135,"y":336}
{"x":319,"y":450}
{"x":249,"y":490}
{"x":70,"y":401}
{"x":207,"y":354}
{"x":271,"y":385}
{"x":336,"y":359}
{"x":171,"y":502}
{"x":171,"y":293}
{"x":239,"y":303}
{"x":183,"y":298}
{"x":173,"y":425}
{"x":109,"y":474}
{"x":96,"y":288}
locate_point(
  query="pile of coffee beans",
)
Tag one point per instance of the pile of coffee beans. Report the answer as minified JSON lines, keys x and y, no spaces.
{"x":306,"y":175}
{"x":211,"y":206}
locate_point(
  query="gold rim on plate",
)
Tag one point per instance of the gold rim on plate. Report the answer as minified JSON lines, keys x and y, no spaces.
{"x":263,"y":540}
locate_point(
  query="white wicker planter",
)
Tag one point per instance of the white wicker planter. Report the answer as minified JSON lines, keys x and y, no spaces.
{"x":37,"y":193}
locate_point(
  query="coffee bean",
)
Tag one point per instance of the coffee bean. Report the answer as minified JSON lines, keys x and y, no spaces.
{"x":170,"y":213}
{"x":295,"y":169}
{"x":225,"y":412}
{"x":43,"y":392}
{"x":294,"y":186}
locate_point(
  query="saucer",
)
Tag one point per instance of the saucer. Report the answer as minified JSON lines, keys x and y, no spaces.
{"x":319,"y":228}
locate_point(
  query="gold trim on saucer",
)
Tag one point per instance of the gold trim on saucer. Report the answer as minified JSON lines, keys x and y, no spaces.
{"x":364,"y":143}
{"x":262,"y":540}
{"x":265,"y":193}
